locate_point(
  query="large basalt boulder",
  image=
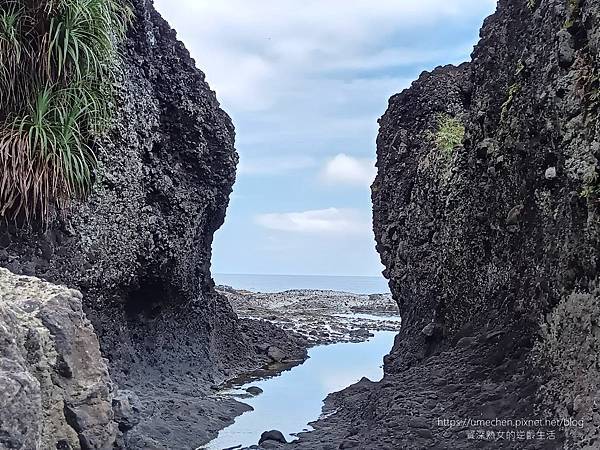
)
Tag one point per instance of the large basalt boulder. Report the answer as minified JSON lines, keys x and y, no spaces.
{"x":492,"y":247}
{"x":55,"y":391}
{"x":139,"y":248}
{"x":505,"y":234}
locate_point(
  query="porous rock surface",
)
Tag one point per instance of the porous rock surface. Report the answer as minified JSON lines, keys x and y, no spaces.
{"x":139,"y":247}
{"x":491,"y":249}
{"x":55,"y":390}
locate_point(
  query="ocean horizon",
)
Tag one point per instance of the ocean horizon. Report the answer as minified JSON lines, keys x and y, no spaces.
{"x":280,"y":283}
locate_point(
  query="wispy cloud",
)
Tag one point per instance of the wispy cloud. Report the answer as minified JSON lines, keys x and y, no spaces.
{"x":275,"y":165}
{"x":321,"y":221}
{"x":301,"y":78}
{"x":348,"y":170}
{"x":255,"y":52}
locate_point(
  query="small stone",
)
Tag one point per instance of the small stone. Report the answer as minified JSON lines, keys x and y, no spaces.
{"x":514,"y":215}
{"x":254,"y":390}
{"x":418,"y":422}
{"x":127,"y":409}
{"x":273,"y":435}
{"x":263,"y":348}
{"x":427,"y":434}
{"x":429,"y":330}
{"x":566,"y":48}
{"x":550,"y":173}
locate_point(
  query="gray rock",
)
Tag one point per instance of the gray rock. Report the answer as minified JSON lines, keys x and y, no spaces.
{"x":550,"y":173}
{"x":139,"y":247}
{"x":514,"y":215}
{"x":55,"y":391}
{"x":271,"y":445}
{"x":566,"y":48}
{"x":263,"y":348}
{"x":427,"y":434}
{"x":529,"y":102}
{"x":127,"y":409}
{"x":273,"y":435}
{"x":276,"y":354}
{"x":254,"y":390}
{"x":418,"y":422}
{"x":429,"y":329}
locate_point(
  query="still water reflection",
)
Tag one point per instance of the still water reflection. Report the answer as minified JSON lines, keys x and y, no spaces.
{"x":293,"y":399}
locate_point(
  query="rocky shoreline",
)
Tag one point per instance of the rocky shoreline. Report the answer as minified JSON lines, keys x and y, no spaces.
{"x":138,"y":250}
{"x":321,"y":317}
{"x":112,"y":334}
{"x":491,"y":246}
{"x":314,"y":318}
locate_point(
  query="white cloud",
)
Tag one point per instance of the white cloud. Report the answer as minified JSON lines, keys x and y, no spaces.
{"x":301,"y":78}
{"x":322,"y":221}
{"x":344,"y":169}
{"x":255,"y":51}
{"x":275,"y":165}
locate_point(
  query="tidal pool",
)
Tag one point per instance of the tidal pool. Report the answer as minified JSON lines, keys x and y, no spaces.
{"x":371,"y":317}
{"x":293,"y":399}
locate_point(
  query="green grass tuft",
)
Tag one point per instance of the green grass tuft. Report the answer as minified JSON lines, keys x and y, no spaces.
{"x":573,"y":13}
{"x":591,"y":185}
{"x":449,"y":133}
{"x":58,"y":61}
{"x":513,"y":90}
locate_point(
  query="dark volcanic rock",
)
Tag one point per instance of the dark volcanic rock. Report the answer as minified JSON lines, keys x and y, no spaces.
{"x":127,"y":409}
{"x":254,"y":390}
{"x":276,"y":354}
{"x":491,"y":249}
{"x":273,"y":435}
{"x":139,"y":248}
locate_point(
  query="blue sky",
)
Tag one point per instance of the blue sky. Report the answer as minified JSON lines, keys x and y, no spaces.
{"x":305,"y":82}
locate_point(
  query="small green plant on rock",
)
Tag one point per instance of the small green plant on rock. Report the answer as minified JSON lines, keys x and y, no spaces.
{"x":573,"y":13}
{"x":512,"y":92}
{"x":58,"y":62}
{"x":449,"y":133}
{"x":591,"y":185}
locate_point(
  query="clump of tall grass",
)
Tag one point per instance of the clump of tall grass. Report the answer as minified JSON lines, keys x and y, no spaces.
{"x":449,"y":133}
{"x":58,"y":60}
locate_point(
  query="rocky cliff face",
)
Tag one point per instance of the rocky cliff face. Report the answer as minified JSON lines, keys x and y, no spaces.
{"x":504,"y":234}
{"x":55,"y":390}
{"x":492,"y":248}
{"x":139,"y":248}
{"x":504,"y":230}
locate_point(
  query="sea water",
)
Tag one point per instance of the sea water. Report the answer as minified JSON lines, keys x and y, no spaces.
{"x":293,"y":399}
{"x":280,"y":283}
